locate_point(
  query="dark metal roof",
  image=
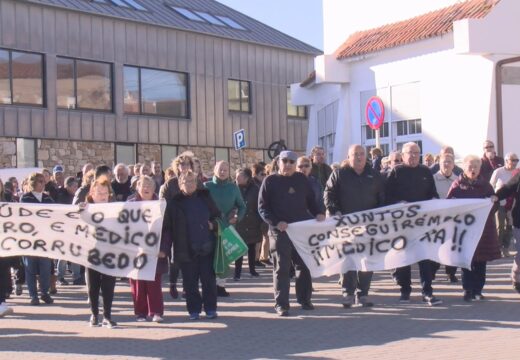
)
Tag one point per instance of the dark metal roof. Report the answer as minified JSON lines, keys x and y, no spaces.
{"x":160,"y":14}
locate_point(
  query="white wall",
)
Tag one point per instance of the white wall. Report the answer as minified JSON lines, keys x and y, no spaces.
{"x":511,"y":117}
{"x":457,"y":93}
{"x":344,"y":17}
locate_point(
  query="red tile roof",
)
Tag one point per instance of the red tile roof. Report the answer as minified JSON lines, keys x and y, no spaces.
{"x":432,"y":24}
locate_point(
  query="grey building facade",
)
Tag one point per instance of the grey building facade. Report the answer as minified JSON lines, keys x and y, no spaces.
{"x":133,"y":80}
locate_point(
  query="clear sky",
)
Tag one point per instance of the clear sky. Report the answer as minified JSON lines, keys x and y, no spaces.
{"x":301,"y":19}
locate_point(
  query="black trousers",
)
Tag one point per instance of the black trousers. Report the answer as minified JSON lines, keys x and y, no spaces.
{"x":106,"y":283}
{"x":284,"y":255}
{"x":474,"y":280}
{"x":200,"y":269}
{"x":450,"y":270}
{"x":5,"y":278}
{"x":404,"y":277}
{"x":251,"y":258}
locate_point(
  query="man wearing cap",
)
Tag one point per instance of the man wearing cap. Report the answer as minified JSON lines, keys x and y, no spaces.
{"x":287,"y":197}
{"x":58,"y":176}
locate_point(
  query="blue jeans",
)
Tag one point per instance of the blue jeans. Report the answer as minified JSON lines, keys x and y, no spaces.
{"x":37,"y":266}
{"x":76,"y":270}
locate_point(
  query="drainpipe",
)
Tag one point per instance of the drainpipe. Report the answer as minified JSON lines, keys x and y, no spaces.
{"x":498,"y":84}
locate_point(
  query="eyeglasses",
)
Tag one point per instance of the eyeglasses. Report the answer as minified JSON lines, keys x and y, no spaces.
{"x":489,"y":147}
{"x":285,"y":161}
{"x":514,"y":160}
{"x":262,"y":174}
{"x":303,"y":166}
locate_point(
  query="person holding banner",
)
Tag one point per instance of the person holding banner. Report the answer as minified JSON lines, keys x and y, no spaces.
{"x":100,"y":192}
{"x":37,"y":265}
{"x":471,"y":185}
{"x":356,"y":186}
{"x":287,"y":197}
{"x":411,"y":182}
{"x":147,"y":295}
{"x":191,"y":220}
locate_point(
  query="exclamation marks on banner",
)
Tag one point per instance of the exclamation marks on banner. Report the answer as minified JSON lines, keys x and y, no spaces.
{"x":457,"y":239}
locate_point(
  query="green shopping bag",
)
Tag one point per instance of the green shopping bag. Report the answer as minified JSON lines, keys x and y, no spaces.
{"x":229,"y":247}
{"x":233,"y":245}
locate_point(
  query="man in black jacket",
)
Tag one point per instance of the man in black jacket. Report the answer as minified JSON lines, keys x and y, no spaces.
{"x":356,"y":186}
{"x":411,"y":182}
{"x":287,"y":197}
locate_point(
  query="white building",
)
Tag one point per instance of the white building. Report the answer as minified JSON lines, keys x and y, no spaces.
{"x":447,"y":77}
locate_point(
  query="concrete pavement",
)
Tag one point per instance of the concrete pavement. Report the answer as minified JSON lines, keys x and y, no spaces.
{"x":248,"y":328}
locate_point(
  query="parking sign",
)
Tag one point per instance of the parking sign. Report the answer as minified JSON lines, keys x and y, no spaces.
{"x":239,"y":139}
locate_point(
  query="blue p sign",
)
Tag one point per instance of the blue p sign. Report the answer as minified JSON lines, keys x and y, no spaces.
{"x":240,"y":139}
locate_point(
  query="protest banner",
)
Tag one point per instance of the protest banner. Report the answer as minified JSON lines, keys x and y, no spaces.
{"x":445,"y":231}
{"x":118,"y":239}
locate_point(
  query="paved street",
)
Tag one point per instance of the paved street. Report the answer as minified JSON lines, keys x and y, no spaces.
{"x":248,"y":328}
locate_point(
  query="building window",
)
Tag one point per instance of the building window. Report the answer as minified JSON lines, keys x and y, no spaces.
{"x":83,"y":84}
{"x":168,"y":153}
{"x":129,"y":4}
{"x":125,"y":153}
{"x":221,"y":154}
{"x":295,"y":111}
{"x":239,"y":95}
{"x":371,"y":134}
{"x":21,"y":78}
{"x":25,"y":153}
{"x":407,"y":127}
{"x":155,"y":92}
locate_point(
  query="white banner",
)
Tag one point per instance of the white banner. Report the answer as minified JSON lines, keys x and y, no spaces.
{"x":118,"y":239}
{"x":445,"y":231}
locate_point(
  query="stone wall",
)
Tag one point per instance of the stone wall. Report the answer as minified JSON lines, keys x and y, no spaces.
{"x":74,"y":154}
{"x":148,"y":152}
{"x":7,"y":152}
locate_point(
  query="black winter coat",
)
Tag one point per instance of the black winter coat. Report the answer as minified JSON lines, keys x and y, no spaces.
{"x":176,"y":226}
{"x":250,"y":227}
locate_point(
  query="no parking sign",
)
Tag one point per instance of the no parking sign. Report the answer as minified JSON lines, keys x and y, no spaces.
{"x":375,"y":112}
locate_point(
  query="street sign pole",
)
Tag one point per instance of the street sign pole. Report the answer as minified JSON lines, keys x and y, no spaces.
{"x":377,"y":139}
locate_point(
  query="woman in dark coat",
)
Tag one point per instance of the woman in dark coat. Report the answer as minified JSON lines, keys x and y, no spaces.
{"x":250,"y":227}
{"x":190,"y":220}
{"x":471,"y":185}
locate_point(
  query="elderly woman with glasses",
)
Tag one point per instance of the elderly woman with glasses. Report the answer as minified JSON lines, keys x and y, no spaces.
{"x":304,"y":166}
{"x":471,"y":185}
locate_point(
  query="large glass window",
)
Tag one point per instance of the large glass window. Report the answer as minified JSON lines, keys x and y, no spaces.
{"x":25,"y":153}
{"x":295,"y":111}
{"x":239,"y":95}
{"x":157,"y":92}
{"x":83,"y":84}
{"x":407,"y":127}
{"x":21,"y":78}
{"x":371,"y":134}
{"x":125,"y":153}
{"x":168,"y":153}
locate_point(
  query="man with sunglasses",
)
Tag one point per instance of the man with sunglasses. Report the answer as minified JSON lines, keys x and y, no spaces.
{"x":490,"y":160}
{"x":499,"y":178}
{"x":356,"y":186}
{"x":287,"y":197}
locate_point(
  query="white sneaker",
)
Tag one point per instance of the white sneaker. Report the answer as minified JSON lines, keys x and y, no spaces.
{"x":5,"y":310}
{"x":157,"y":318}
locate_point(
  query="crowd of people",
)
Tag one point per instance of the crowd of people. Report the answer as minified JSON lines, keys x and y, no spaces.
{"x":260,"y":201}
